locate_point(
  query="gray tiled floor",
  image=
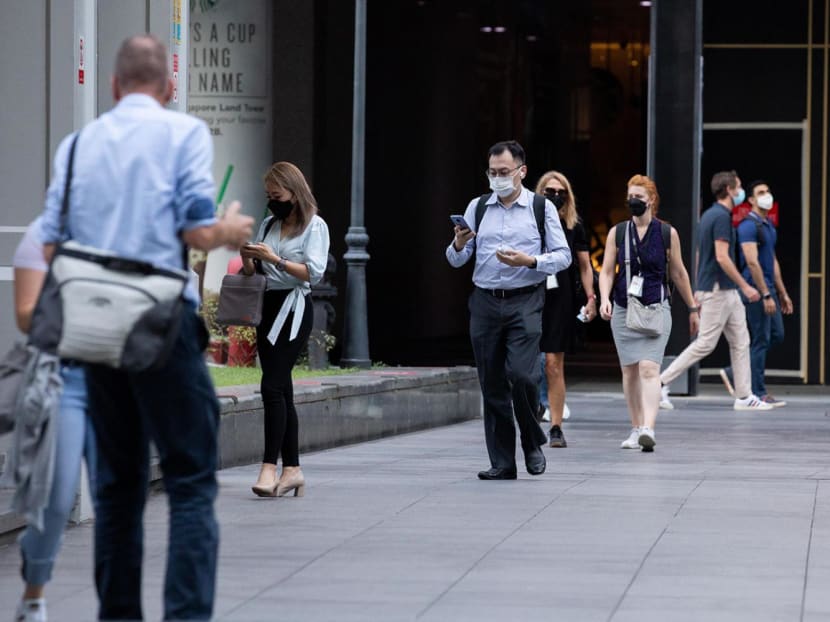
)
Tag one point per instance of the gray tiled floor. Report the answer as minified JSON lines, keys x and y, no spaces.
{"x":728,"y":520}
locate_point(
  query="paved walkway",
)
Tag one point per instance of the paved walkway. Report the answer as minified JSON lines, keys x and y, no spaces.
{"x":728,"y":520}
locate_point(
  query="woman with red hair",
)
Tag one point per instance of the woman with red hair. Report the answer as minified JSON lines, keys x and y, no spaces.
{"x":650,"y":265}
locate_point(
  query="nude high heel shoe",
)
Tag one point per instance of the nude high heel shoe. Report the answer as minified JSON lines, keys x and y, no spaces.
{"x":263,"y":488}
{"x":295,"y":482}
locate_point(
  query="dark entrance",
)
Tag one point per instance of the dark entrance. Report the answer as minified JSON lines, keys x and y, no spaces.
{"x":446,"y":79}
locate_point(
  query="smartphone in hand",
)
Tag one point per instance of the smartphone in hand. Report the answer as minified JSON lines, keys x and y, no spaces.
{"x":458,"y":221}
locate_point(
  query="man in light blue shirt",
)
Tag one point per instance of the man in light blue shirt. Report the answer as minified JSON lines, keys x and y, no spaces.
{"x":512,"y":259}
{"x":142,"y":187}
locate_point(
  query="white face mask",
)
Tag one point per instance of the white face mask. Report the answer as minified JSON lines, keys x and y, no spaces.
{"x":502,"y":186}
{"x":765,"y":201}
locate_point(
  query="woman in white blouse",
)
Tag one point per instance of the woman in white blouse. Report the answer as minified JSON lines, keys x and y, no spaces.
{"x":292,"y":251}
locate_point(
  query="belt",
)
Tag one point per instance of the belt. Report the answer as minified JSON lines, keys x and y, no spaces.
{"x":509,"y":293}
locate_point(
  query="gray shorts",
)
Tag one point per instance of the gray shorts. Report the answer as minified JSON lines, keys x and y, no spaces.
{"x":633,"y":347}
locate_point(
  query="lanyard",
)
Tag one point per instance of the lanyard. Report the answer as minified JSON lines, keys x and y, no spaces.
{"x":633,"y":229}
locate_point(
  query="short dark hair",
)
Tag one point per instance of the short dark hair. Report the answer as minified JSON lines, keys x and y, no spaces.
{"x":723,"y":180}
{"x":512,"y":146}
{"x":750,"y":189}
{"x":141,"y":62}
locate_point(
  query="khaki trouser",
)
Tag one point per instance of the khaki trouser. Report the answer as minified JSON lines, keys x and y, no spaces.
{"x":721,"y":311}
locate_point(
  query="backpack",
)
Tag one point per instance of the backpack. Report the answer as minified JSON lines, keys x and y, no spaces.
{"x":665,"y":231}
{"x":538,"y":211}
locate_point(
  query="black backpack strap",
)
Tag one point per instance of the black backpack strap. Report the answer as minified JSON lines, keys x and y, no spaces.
{"x":620,"y":233}
{"x":268,"y":226}
{"x":759,"y":232}
{"x":665,"y":230}
{"x":619,"y":238}
{"x":481,"y":207}
{"x":539,"y":212}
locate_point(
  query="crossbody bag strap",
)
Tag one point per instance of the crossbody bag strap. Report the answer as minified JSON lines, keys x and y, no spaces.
{"x":258,"y":263}
{"x":67,"y":189}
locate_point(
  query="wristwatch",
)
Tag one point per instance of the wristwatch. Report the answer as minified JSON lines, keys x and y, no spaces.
{"x":281,"y":264}
{"x":694,"y":309}
{"x":767,"y":296}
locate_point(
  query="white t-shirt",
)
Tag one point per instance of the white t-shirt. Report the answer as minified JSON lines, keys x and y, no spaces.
{"x":29,"y":253}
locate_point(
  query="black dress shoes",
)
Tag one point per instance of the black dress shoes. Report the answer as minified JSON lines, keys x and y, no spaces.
{"x":535,"y":461}
{"x":499,"y":474}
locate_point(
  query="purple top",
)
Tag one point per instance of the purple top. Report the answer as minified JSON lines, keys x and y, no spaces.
{"x":649,"y":262}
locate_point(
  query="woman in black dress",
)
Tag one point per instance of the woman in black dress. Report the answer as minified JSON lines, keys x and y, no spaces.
{"x":562,"y":303}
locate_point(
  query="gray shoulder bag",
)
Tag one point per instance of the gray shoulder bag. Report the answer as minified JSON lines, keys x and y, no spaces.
{"x":643,"y":319}
{"x":97,"y":307}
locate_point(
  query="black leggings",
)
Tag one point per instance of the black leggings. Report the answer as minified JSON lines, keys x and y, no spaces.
{"x":281,"y":425}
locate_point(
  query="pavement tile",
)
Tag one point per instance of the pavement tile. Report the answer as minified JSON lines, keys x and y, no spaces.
{"x":715,"y":525}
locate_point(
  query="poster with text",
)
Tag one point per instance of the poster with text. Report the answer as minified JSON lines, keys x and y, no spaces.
{"x":229,"y":88}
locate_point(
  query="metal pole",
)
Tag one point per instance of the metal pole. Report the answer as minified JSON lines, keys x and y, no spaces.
{"x":356,"y":331}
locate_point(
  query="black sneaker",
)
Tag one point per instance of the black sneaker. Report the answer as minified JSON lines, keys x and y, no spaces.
{"x":557,"y":439}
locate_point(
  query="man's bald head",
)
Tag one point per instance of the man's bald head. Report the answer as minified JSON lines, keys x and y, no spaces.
{"x":141,"y":65}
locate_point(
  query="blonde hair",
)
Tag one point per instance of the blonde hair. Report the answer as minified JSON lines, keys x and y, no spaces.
{"x":289,"y":177}
{"x":568,"y":211}
{"x":651,"y":190}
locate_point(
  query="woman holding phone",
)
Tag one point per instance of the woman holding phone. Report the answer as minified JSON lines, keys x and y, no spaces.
{"x":292,"y":252}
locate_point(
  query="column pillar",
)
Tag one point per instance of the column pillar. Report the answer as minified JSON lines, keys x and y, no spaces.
{"x":675,"y":140}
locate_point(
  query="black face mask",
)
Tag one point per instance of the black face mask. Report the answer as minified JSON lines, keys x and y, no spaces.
{"x":280,"y":209}
{"x":556,"y":198}
{"x":637,"y":206}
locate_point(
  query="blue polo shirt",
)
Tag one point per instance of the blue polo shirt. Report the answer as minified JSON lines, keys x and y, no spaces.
{"x":715,"y":224}
{"x":142,"y":175}
{"x":748,"y":230}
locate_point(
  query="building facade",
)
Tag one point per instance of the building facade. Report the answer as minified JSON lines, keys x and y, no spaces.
{"x":445,"y":79}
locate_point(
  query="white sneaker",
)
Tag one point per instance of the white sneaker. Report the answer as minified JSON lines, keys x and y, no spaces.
{"x":646,"y":439}
{"x":566,"y":412}
{"x":31,"y":610}
{"x":665,"y":402}
{"x":546,"y":415}
{"x":751,"y":402}
{"x":633,"y":440}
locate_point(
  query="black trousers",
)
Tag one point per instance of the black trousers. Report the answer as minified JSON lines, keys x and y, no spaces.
{"x":505,"y":333}
{"x":176,"y":408}
{"x":281,"y":424}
